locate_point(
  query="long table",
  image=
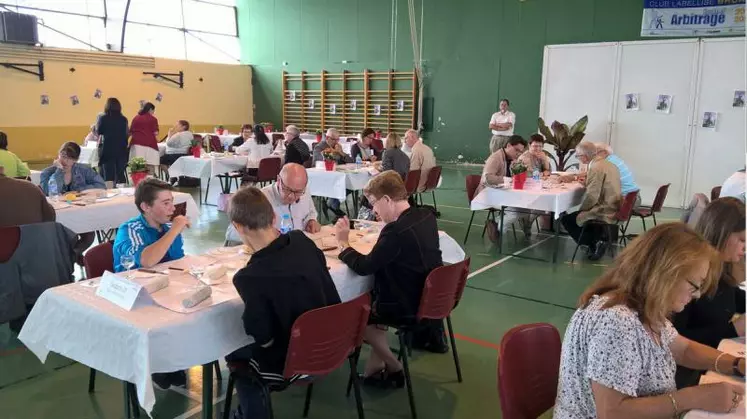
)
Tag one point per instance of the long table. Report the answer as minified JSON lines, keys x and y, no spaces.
{"x":734,"y":347}
{"x":111,"y":213}
{"x":558,"y":199}
{"x":131,"y":345}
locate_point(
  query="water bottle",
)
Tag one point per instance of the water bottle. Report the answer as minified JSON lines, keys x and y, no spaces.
{"x":285,"y":224}
{"x":52,"y":189}
{"x":358,"y":162}
{"x":536,"y":174}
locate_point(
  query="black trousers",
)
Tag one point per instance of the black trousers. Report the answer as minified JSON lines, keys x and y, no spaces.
{"x":169,"y":159}
{"x":592,"y":234}
{"x":252,"y":403}
{"x":113,"y":169}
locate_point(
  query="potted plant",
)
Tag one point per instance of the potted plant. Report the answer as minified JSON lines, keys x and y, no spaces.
{"x":138,"y":169}
{"x":219,"y":130}
{"x":318,"y":135}
{"x":564,"y":140}
{"x":519,"y":174}
{"x":330,"y":157}
{"x":269,"y":127}
{"x":195,"y":148}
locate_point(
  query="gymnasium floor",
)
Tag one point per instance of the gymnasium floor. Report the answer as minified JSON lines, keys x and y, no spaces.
{"x":502,"y":292}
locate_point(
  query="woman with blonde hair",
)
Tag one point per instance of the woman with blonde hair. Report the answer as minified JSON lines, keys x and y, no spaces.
{"x":620,"y":351}
{"x":709,"y":320}
{"x":394,"y":158}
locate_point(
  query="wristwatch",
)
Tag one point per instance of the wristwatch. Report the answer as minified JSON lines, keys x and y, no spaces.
{"x":343,"y":245}
{"x":735,"y":367}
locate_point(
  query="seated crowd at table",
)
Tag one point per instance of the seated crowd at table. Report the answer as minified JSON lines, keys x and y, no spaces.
{"x":641,"y":336}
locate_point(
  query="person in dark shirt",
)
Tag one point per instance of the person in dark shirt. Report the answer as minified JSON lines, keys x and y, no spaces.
{"x":405,"y":253}
{"x":296,"y":150}
{"x":712,"y":318}
{"x":275,"y":293}
{"x":246,"y":133}
{"x":364,"y":149}
{"x":113,"y":131}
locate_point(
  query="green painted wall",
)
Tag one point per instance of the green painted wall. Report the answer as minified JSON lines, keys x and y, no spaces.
{"x":475,"y":52}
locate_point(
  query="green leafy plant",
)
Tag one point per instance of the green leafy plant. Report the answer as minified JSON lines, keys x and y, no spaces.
{"x":518,"y":167}
{"x":196,"y":142}
{"x":138,"y":165}
{"x":563,"y":139}
{"x":219,"y":126}
{"x":318,"y":132}
{"x":329,"y":154}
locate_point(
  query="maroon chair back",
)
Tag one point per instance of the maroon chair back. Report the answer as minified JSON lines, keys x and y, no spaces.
{"x":276,"y":138}
{"x":432,"y":178}
{"x":442,"y":290}
{"x":462,"y":281}
{"x":528,"y":369}
{"x":322,"y":339}
{"x":412,"y":181}
{"x":10,"y":237}
{"x":269,"y":169}
{"x":661,"y":195}
{"x":98,"y":259}
{"x":472,"y":182}
{"x":215,"y":143}
{"x":179,"y":209}
{"x":626,"y":207}
{"x":715,"y":193}
{"x":377,"y":145}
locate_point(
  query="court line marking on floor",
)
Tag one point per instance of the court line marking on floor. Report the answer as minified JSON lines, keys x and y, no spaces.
{"x":503,"y":259}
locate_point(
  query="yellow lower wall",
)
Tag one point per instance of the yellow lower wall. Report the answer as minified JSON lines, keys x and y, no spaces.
{"x":35,"y":132}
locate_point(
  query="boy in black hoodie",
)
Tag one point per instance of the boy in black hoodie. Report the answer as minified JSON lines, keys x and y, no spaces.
{"x":286,"y":277}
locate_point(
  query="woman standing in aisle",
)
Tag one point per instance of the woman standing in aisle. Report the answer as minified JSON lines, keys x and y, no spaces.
{"x":144,"y":131}
{"x":113,"y":133}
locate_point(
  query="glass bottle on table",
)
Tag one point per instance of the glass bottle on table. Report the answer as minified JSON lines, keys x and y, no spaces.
{"x":286,"y":225}
{"x":53,"y":190}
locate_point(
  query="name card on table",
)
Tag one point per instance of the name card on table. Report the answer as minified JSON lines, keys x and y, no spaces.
{"x":118,"y":290}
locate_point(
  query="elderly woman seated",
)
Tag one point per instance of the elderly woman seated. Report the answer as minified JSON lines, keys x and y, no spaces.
{"x":601,"y":201}
{"x":620,"y":350}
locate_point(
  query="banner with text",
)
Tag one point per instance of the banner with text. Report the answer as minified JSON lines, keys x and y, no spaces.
{"x":692,"y":17}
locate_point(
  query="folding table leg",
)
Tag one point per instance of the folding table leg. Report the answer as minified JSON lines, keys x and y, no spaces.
{"x":207,"y":391}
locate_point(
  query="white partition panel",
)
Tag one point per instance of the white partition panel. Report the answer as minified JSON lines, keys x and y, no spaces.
{"x":719,"y":152}
{"x":655,"y":145}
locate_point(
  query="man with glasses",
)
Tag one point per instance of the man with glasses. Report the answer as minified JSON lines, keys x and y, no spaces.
{"x":287,"y":196}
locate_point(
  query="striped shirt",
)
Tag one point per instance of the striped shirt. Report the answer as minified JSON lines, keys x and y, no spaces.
{"x":627,"y":183}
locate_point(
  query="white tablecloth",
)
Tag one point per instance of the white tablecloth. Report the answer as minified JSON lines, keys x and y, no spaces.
{"x":72,"y":321}
{"x":334,"y":184}
{"x":206,"y":166}
{"x":558,"y":200}
{"x":112,"y":213}
{"x":35,"y":176}
{"x":734,"y":347}
{"x":89,"y":155}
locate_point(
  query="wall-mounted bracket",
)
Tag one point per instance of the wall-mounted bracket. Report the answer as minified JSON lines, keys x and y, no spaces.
{"x":167,"y":77}
{"x":22,"y":67}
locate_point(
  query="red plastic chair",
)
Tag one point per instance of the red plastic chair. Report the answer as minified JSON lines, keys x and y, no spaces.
{"x":320,"y":342}
{"x":377,"y":145}
{"x":276,"y":138}
{"x":179,"y":209}
{"x":528,"y":370}
{"x":268,"y":171}
{"x":98,"y":259}
{"x":215,"y":143}
{"x":622,"y":219}
{"x":411,"y":182}
{"x":431,"y":182}
{"x":715,"y":193}
{"x":10,"y":237}
{"x":441,"y":293}
{"x":645,"y":212}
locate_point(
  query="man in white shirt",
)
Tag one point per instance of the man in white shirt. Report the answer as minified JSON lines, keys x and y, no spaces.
{"x":502,"y":125}
{"x":178,"y":142}
{"x":288,"y":196}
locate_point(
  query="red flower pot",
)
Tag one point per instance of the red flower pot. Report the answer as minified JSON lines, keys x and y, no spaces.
{"x":137,"y":177}
{"x":196,"y":151}
{"x":319,"y":138}
{"x":329,"y":165}
{"x":220,"y":131}
{"x":518,"y":180}
{"x":377,"y":135}
{"x":269,"y":128}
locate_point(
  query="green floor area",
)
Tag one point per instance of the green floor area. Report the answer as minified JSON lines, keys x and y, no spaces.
{"x":502,"y":292}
